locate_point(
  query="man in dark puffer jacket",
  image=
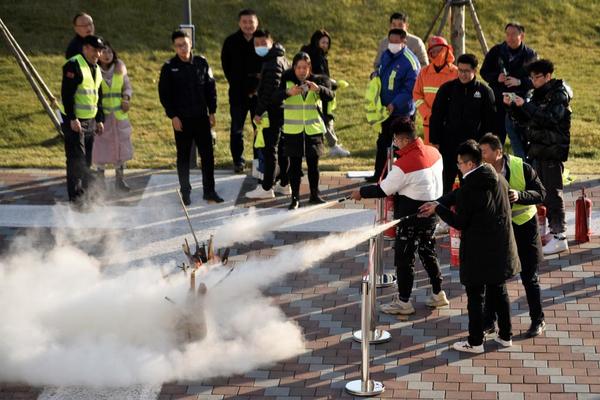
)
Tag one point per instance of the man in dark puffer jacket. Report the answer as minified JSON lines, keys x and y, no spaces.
{"x":546,"y":115}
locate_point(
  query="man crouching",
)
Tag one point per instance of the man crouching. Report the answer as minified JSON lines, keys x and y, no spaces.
{"x":416,"y":178}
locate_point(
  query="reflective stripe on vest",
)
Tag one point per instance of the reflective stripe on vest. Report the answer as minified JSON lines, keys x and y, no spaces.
{"x":111,"y":97}
{"x":520,"y":213}
{"x":302,"y":114}
{"x":430,"y":89}
{"x":86,"y":95}
{"x":391,"y":80}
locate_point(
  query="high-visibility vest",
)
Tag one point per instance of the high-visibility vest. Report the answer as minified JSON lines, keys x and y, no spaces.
{"x":111,"y":97}
{"x":301,"y":114}
{"x":520,"y":213}
{"x":86,"y":95}
{"x":376,"y":112}
{"x":259,"y":142}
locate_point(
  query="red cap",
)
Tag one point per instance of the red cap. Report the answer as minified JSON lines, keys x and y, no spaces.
{"x":436,"y":41}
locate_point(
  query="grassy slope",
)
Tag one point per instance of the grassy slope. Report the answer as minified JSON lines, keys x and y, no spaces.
{"x":564,"y":31}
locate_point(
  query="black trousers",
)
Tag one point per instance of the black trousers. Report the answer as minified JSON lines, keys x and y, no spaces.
{"x":498,"y":298}
{"x":384,"y":141}
{"x":270,"y":152}
{"x":410,"y":237}
{"x":529,"y":246}
{"x":550,"y":173}
{"x":295,"y":174}
{"x":78,"y":151}
{"x":450,"y":169}
{"x":197,"y":130}
{"x":238,"y":112}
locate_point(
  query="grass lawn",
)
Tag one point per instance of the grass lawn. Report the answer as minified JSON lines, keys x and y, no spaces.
{"x":567,"y":32}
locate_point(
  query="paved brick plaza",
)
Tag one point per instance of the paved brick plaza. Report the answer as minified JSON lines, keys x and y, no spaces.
{"x":564,"y":363}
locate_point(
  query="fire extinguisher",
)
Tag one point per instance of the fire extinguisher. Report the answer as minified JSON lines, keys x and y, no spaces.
{"x":542,"y":226}
{"x":583,"y":218}
{"x":388,"y":216}
{"x":454,"y":237}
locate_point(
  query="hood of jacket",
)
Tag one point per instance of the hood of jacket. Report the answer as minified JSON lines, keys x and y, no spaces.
{"x":276,"y":51}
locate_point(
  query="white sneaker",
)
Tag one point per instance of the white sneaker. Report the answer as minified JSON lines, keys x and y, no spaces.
{"x":442,"y":228}
{"x":437,"y":300}
{"x":556,"y":245}
{"x":503,"y":343}
{"x":285,"y":190}
{"x":397,"y":306}
{"x":338,"y":151}
{"x":467,"y":348}
{"x":260,"y":193}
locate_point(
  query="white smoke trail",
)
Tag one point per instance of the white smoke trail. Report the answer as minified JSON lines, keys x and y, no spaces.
{"x":67,"y":323}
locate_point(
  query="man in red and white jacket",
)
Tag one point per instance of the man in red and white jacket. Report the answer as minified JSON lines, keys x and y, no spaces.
{"x":415,"y":178}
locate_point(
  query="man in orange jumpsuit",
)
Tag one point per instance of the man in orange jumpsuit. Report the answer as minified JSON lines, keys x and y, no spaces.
{"x":432,"y":76}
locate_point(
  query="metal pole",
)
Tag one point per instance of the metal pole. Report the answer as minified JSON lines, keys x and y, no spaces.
{"x":365,"y":386}
{"x":32,"y":82}
{"x":187,"y":12}
{"x":374,"y":335}
{"x":379,"y":241}
{"x":478,"y":29}
{"x":457,"y":32}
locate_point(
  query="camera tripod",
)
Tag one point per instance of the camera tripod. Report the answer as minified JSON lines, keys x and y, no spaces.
{"x":456,"y":8}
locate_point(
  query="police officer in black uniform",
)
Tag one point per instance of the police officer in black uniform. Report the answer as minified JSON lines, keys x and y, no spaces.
{"x":188,"y":93}
{"x":82,"y":114}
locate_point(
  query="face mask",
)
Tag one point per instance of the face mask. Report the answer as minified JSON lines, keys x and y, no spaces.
{"x":395,"y":47}
{"x":261,"y":50}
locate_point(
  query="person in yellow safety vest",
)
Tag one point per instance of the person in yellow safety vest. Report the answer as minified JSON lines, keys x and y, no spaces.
{"x":303,"y":127}
{"x":82,"y":114}
{"x":526,"y":190}
{"x":375,"y":111}
{"x":114,"y":145}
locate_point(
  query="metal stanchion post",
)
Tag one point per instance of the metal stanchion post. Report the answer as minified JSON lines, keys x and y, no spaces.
{"x":379,"y":243}
{"x":374,"y":335}
{"x":365,"y":386}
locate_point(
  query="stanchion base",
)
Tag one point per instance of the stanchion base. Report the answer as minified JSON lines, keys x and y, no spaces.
{"x":386,"y":280}
{"x":368,"y":388}
{"x":381,"y":336}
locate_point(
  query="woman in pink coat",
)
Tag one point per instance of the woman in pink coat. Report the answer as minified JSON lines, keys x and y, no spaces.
{"x":113,"y":146}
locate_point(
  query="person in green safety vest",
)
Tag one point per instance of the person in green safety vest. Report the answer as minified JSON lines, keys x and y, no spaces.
{"x":82,"y":115}
{"x":303,"y":127}
{"x":114,"y":145}
{"x":526,"y":190}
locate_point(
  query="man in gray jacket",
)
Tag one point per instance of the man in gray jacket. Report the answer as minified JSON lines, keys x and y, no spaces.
{"x":413,"y":42}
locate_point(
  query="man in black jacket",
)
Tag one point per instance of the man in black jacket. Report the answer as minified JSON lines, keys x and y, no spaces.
{"x":488,"y":253}
{"x":463,"y":109}
{"x":241,"y":66}
{"x":504,"y":69}
{"x":547,"y":117}
{"x":188,"y":94}
{"x":526,"y":190}
{"x":274,"y":63}
{"x":83,"y":24}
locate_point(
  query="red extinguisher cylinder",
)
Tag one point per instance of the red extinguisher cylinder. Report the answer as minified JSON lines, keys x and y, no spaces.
{"x":583,"y":218}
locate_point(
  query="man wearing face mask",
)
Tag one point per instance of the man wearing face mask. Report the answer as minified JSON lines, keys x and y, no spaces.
{"x":432,"y":76}
{"x":398,"y":72}
{"x":274,"y":63}
{"x":241,"y":66}
{"x":413,"y":42}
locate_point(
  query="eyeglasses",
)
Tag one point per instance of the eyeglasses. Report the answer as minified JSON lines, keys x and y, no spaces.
{"x":465,"y":71}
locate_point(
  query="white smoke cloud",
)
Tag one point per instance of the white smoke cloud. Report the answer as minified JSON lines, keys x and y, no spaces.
{"x":68,"y":321}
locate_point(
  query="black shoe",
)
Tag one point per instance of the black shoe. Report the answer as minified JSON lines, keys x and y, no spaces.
{"x":294,"y":204}
{"x":239,"y":168}
{"x":372,"y":179}
{"x":536,"y":329}
{"x":122,"y":186}
{"x":212,"y":196}
{"x":316,"y":199}
{"x":185,"y":196}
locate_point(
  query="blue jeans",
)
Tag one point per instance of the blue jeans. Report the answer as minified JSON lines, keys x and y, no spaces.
{"x":516,"y":134}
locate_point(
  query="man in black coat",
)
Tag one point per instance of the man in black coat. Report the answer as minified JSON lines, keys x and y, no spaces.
{"x":274,"y":63}
{"x":526,"y":190}
{"x":83,"y":24}
{"x":504,"y":69}
{"x":488,"y":253}
{"x":463,"y":109}
{"x":188,"y":94}
{"x":241,"y":66}
{"x":547,"y":118}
